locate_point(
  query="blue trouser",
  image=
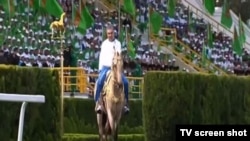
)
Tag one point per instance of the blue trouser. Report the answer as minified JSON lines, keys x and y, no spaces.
{"x":101,"y":80}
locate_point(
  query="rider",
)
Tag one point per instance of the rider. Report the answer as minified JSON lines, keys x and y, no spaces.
{"x":108,"y":47}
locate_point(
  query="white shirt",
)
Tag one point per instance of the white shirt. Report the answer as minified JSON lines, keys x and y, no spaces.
{"x":107,"y":52}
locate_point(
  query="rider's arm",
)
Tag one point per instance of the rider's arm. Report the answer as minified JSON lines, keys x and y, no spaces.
{"x":100,"y":57}
{"x":118,"y":47}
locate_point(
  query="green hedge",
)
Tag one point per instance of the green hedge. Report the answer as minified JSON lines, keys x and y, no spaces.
{"x":79,"y":117}
{"x":41,"y":120}
{"x":89,"y":137}
{"x":181,"y":98}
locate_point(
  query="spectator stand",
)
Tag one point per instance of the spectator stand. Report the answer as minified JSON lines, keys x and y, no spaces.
{"x":220,"y":54}
{"x":30,"y":46}
{"x":168,"y":38}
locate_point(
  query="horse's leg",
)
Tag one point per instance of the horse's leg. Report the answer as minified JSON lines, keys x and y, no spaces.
{"x":116,"y":134}
{"x":52,"y":33}
{"x":60,"y":32}
{"x":106,"y":128}
{"x":117,"y":121}
{"x":100,"y":126}
{"x":111,"y":121}
{"x":63,"y":31}
{"x":106,"y":137}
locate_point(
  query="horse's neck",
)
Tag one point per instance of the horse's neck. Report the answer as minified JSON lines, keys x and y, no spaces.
{"x":61,"y":20}
{"x":117,"y":74}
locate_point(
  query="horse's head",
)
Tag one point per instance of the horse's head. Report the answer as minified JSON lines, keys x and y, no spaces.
{"x":63,"y":15}
{"x":117,"y":66}
{"x":117,"y":60}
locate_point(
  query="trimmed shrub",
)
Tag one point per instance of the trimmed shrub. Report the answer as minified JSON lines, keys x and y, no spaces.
{"x":172,"y":98}
{"x":89,"y":137}
{"x":42,"y":121}
{"x":80,"y":117}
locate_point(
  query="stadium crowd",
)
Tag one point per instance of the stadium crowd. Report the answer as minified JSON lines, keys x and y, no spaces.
{"x":29,"y":45}
{"x":220,"y":53}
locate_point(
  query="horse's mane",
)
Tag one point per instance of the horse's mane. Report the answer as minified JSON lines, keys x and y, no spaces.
{"x":117,"y":63}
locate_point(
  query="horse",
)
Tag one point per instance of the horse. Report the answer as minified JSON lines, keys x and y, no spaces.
{"x":112,"y":100}
{"x":58,"y":25}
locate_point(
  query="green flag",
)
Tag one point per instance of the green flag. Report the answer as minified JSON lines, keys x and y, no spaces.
{"x":190,"y":21}
{"x":81,"y":30}
{"x":226,"y":18}
{"x":8,"y":6}
{"x":53,"y":8}
{"x":241,"y":32}
{"x":155,"y":22}
{"x":209,"y":36}
{"x":209,"y":6}
{"x":76,"y":16}
{"x":131,"y":50}
{"x":129,"y":7}
{"x":87,"y":20}
{"x":36,"y":4}
{"x":171,"y":8}
{"x":122,"y":35}
{"x":21,"y":7}
{"x":236,"y":43}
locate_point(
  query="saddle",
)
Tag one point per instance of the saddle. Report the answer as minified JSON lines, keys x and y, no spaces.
{"x":105,"y":90}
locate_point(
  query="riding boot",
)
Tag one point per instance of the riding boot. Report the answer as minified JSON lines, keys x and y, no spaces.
{"x":98,"y":108}
{"x":126,"y":109}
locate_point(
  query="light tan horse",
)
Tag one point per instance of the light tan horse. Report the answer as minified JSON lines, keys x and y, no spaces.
{"x":112,"y":100}
{"x":58,"y":25}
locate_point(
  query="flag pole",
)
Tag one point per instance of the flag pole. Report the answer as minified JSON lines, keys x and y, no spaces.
{"x":126,"y":32}
{"x":72,"y":12}
{"x":80,"y":4}
{"x":9,"y":10}
{"x":119,"y":17}
{"x":28,"y":14}
{"x":149,"y":30}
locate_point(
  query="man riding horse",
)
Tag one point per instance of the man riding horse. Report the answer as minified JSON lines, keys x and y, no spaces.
{"x":108,"y":48}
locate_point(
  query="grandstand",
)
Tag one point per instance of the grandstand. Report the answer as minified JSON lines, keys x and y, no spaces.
{"x":33,"y":43}
{"x":185,"y":41}
{"x":202,"y":43}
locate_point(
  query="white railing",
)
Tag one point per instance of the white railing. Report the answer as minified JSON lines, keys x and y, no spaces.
{"x":25,"y":99}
